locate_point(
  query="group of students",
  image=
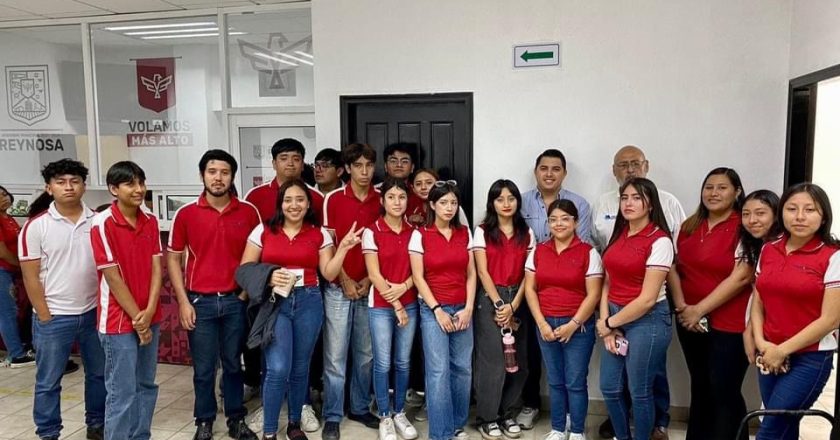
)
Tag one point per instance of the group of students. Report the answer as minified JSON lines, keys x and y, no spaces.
{"x":385,"y":269}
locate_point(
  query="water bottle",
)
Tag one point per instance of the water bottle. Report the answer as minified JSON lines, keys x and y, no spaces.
{"x":510,"y":350}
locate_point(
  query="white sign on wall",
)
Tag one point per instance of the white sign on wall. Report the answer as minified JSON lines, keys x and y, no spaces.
{"x":534,"y":55}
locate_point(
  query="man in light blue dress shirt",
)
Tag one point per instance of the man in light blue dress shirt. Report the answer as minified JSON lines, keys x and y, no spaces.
{"x":549,"y":172}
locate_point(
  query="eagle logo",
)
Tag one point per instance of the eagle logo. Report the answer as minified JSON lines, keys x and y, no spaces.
{"x":157,"y":84}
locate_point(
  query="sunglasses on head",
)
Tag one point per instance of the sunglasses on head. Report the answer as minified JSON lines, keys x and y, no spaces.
{"x":442,"y":183}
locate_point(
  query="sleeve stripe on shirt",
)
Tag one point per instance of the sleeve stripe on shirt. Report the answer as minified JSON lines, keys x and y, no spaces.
{"x":658,"y":267}
{"x":24,"y":247}
{"x":174,"y":219}
{"x":99,"y":222}
{"x":326,"y":203}
{"x":832,"y":284}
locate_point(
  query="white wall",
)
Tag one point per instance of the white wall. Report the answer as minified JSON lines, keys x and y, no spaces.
{"x":696,"y":84}
{"x":827,"y":144}
{"x":814,"y":36}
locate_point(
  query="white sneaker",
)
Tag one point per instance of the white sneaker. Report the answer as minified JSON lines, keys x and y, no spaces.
{"x":404,"y":428}
{"x":422,"y":414}
{"x":555,"y":435}
{"x":460,"y":434}
{"x":308,"y":420}
{"x":255,"y":420}
{"x":386,"y":429}
{"x":527,"y":417}
{"x":576,"y":436}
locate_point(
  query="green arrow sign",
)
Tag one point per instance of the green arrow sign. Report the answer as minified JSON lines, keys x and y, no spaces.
{"x":527,"y":56}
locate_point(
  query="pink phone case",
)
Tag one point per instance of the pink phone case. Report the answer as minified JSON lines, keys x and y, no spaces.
{"x":621,"y":345}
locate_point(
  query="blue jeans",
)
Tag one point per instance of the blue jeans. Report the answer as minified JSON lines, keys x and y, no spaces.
{"x":567,"y":367}
{"x":130,"y":379}
{"x":346,"y":325}
{"x":648,"y":337}
{"x":385,"y":333}
{"x":219,"y":334}
{"x":798,"y":389}
{"x":53,"y":340}
{"x":8,"y":316}
{"x":287,"y":356}
{"x":448,"y":373}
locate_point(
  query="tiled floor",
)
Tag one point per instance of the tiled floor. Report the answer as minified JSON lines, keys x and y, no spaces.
{"x":173,"y":416}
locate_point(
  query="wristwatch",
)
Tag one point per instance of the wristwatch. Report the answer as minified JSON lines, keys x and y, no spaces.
{"x":499,"y":304}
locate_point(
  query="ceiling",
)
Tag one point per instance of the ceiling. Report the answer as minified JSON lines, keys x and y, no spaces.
{"x":13,"y":10}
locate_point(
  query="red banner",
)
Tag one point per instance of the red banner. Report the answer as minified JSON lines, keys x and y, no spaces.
{"x":156,"y":83}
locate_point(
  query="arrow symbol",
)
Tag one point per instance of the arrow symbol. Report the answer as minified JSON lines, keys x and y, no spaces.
{"x":527,"y":56}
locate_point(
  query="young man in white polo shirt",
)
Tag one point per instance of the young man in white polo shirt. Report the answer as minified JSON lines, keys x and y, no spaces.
{"x":630,"y":161}
{"x":56,"y":259}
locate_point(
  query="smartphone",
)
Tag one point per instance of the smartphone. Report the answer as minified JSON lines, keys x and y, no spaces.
{"x":621,"y":345}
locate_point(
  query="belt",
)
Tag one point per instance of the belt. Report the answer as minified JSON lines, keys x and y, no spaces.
{"x":228,"y":293}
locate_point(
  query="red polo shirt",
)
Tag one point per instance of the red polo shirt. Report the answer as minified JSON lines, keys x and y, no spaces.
{"x":264,"y":197}
{"x":215,"y":242}
{"x":707,"y":257}
{"x":302,"y":251}
{"x":9,"y":230}
{"x":416,"y":207}
{"x":391,"y":249}
{"x":627,"y":260}
{"x":116,"y":243}
{"x":506,"y":259}
{"x":561,"y":276}
{"x":792,"y":287}
{"x":341,"y":209}
{"x":444,"y":261}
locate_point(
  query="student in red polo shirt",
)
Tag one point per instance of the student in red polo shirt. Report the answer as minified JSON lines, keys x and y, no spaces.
{"x":126,"y":247}
{"x":501,"y":245}
{"x":443,"y":269}
{"x":796,"y":309}
{"x":9,"y":269}
{"x":287,"y":160}
{"x":393,"y":307}
{"x":346,"y":303}
{"x":215,"y":229}
{"x":293,"y":240}
{"x":711,"y":288}
{"x":563,"y":279}
{"x":633,"y":307}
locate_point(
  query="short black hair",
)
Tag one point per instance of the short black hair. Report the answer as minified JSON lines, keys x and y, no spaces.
{"x":408,"y":148}
{"x":124,"y":172}
{"x":64,"y":167}
{"x":353,"y":152}
{"x":286,"y":145}
{"x":551,"y":152}
{"x":217,"y":154}
{"x":330,"y":155}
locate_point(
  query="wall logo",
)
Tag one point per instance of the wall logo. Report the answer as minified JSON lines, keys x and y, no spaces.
{"x":156,"y":83}
{"x":28,"y":93}
{"x":276,"y":63}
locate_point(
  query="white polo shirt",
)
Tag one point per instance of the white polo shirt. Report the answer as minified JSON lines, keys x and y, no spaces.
{"x":606,"y":209}
{"x":68,"y":271}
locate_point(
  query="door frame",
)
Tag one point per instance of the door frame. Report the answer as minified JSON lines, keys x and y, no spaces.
{"x":801,"y":119}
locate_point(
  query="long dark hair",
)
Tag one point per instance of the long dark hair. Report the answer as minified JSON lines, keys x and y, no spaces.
{"x":751,"y":246}
{"x":435,"y":194}
{"x":823,"y":204}
{"x":491,"y":218}
{"x":650,"y":198}
{"x":702,"y":213}
{"x":388,"y":184}
{"x":276,"y":222}
{"x":40,"y":204}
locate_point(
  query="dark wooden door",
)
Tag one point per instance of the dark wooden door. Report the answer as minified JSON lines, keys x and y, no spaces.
{"x":441,"y":124}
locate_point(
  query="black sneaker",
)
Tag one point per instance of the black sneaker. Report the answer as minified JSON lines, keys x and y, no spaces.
{"x":606,"y":429}
{"x":293,"y":432}
{"x":51,"y":437}
{"x":239,"y":430}
{"x":95,"y":432}
{"x":367,"y":419}
{"x":331,"y":431}
{"x":71,"y":367}
{"x":204,"y":430}
{"x":27,"y":360}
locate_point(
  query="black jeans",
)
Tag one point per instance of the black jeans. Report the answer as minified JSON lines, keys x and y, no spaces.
{"x":717,"y":365}
{"x":531,"y":391}
{"x":497,"y":391}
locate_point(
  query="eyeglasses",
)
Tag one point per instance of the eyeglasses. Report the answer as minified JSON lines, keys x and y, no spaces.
{"x":322,"y":165}
{"x":634,"y":164}
{"x":394,"y":161}
{"x":442,"y":183}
